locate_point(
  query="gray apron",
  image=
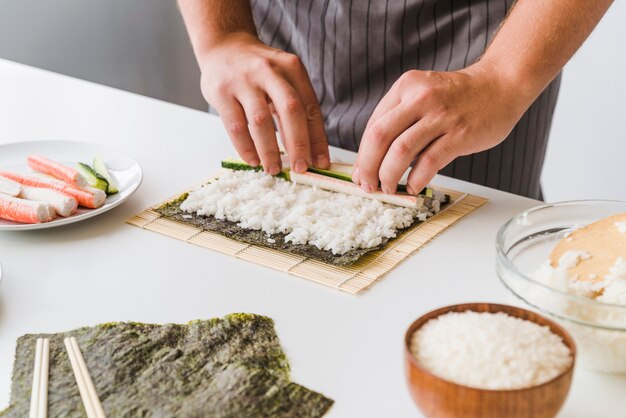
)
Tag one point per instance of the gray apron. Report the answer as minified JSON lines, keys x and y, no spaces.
{"x":354,"y":50}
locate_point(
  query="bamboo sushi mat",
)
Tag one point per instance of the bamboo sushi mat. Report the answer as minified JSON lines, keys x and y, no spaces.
{"x":352,"y":279}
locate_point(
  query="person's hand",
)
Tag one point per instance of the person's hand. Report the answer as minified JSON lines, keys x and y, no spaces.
{"x":436,"y":117}
{"x":249,"y":84}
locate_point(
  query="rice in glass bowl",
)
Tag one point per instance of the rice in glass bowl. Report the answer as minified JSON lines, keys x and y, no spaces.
{"x":524,"y":244}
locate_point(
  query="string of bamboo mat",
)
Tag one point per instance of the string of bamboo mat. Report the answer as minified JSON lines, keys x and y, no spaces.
{"x":86,"y":388}
{"x":353,"y":279}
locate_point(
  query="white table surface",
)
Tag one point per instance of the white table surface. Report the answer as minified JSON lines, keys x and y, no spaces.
{"x":347,"y":347}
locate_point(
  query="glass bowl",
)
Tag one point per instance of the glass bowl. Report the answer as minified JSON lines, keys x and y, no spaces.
{"x":524,"y":243}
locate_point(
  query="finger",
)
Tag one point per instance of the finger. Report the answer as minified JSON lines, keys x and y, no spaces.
{"x":318,"y":141}
{"x":262,"y":131}
{"x":436,"y":156}
{"x":293,"y":122}
{"x":376,"y":142}
{"x":388,"y":102}
{"x":404,"y":150}
{"x":279,"y":128}
{"x":234,"y":120}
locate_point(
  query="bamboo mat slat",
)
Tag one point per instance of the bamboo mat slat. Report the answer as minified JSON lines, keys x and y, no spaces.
{"x":352,"y":279}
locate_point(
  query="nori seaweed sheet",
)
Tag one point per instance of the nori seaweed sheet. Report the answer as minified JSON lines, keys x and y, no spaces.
{"x":222,"y":367}
{"x":230,"y":229}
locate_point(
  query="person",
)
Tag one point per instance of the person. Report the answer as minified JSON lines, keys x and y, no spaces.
{"x":462,"y":87}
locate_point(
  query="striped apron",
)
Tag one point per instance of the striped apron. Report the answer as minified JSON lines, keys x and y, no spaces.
{"x":354,"y":50}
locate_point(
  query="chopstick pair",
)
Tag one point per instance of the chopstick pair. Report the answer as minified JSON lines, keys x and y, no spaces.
{"x":86,"y":388}
{"x":39,"y":393}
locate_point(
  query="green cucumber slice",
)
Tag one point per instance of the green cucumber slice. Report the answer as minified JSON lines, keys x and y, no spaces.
{"x":233,"y":164}
{"x":101,"y":169}
{"x":331,"y":173}
{"x":93,"y":179}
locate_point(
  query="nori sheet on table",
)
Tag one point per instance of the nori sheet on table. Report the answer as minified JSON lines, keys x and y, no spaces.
{"x":222,"y":367}
{"x":230,"y":229}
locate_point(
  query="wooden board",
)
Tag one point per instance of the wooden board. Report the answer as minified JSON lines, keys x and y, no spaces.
{"x":353,"y":279}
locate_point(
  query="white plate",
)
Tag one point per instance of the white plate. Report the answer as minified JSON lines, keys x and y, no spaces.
{"x":124,"y":170}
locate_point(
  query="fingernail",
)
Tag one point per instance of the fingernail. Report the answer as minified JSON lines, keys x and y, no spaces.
{"x":254,"y":162}
{"x":301,"y":166}
{"x":274,"y":169}
{"x":409,"y":190}
{"x":321,"y":161}
{"x":355,"y":176}
{"x":366,"y":187}
{"x":385,"y":190}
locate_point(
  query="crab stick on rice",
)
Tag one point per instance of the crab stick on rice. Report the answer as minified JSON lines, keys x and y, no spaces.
{"x":92,"y":198}
{"x":25,"y":211}
{"x":10,"y":187}
{"x":57,"y":170}
{"x":347,"y":187}
{"x":62,"y":203}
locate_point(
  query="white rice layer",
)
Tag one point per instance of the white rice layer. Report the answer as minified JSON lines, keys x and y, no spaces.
{"x":490,"y":350}
{"x":330,"y":221}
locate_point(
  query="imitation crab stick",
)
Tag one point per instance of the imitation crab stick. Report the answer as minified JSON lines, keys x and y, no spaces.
{"x":25,"y":211}
{"x":63,"y":204}
{"x":341,"y":186}
{"x":91,"y":198}
{"x":57,"y":170}
{"x":10,"y":187}
{"x":99,"y":194}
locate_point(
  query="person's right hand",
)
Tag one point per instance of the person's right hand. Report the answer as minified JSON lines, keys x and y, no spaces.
{"x":249,"y":83}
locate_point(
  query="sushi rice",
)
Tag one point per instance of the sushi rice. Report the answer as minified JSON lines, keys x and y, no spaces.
{"x":330,"y":221}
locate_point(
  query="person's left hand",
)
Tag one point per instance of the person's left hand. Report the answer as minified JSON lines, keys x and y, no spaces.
{"x":435,"y":116}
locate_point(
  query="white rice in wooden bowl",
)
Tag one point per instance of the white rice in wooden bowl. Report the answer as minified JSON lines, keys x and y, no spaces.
{"x":490,"y":350}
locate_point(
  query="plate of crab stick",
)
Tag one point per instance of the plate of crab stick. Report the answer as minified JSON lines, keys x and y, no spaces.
{"x":44,"y":184}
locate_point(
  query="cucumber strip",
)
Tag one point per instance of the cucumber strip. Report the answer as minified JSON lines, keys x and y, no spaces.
{"x":93,"y":179}
{"x":233,"y":164}
{"x":101,"y":169}
{"x":426,"y":191}
{"x":239,"y":165}
{"x":331,"y":173}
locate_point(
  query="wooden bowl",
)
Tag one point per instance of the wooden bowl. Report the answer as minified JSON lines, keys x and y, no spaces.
{"x":439,"y":398}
